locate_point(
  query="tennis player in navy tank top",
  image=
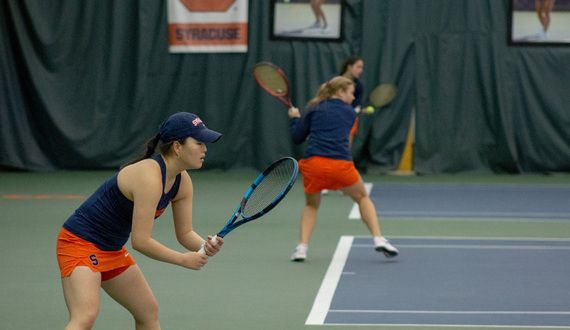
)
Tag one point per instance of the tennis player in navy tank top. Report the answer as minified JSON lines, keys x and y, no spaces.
{"x":90,"y":247}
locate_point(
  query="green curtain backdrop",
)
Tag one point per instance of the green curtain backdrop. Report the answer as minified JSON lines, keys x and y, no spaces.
{"x":83,"y":85}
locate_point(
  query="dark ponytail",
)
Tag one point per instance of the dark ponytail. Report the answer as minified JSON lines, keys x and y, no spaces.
{"x":151,"y":146}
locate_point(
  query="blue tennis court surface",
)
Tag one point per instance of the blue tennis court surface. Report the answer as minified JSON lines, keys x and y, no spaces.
{"x":447,"y":281}
{"x":472,"y":201}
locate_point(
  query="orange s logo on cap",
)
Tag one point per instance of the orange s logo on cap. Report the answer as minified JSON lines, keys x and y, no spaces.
{"x":207,"y":5}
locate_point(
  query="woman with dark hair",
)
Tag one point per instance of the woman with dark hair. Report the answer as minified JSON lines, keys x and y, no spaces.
{"x":90,"y":245}
{"x":327,"y":162}
{"x":352,"y":68}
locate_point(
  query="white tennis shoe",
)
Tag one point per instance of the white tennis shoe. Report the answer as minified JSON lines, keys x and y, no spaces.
{"x":300,"y":253}
{"x":381,"y":244}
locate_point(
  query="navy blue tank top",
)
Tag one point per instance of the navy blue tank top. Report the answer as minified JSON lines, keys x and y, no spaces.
{"x":105,"y":218}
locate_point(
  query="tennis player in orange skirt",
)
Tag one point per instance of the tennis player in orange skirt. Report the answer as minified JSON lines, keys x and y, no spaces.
{"x":90,"y":246}
{"x":327,"y":163}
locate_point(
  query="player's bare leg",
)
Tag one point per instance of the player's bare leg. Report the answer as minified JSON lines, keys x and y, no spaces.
{"x":131,"y":290}
{"x":81,"y":291}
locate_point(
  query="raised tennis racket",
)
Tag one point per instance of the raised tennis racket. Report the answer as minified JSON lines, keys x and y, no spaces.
{"x":273,"y":80}
{"x":382,"y":94}
{"x":265,"y":193}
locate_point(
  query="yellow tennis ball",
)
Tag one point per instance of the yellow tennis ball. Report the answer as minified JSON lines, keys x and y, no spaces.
{"x":369,"y":109}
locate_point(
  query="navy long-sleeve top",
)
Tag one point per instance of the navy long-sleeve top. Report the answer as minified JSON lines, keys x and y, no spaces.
{"x":327,"y":126}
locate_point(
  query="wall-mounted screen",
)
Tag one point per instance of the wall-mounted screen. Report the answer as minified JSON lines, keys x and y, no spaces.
{"x":539,"y":22}
{"x":320,"y":20}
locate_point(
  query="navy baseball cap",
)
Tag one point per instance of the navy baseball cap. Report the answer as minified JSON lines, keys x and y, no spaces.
{"x":184,"y":124}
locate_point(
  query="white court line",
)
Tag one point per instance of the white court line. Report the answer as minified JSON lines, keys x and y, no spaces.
{"x":467,"y":214}
{"x":444,"y":326}
{"x":354,"y":212}
{"x":493,"y":247}
{"x":476,"y":238}
{"x":328,"y":287}
{"x":452,"y":312}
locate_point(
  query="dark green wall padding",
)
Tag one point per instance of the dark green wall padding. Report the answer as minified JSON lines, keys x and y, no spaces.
{"x":84,"y":84}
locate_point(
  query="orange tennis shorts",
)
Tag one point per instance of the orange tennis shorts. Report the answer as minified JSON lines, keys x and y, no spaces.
{"x":324,"y":173}
{"x":73,"y":251}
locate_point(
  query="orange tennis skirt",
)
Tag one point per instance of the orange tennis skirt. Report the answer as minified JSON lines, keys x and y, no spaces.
{"x":324,"y":173}
{"x":354,"y":128}
{"x":73,"y":251}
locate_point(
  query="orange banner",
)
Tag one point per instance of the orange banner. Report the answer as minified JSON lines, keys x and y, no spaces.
{"x":207,"y":26}
{"x":208,"y":34}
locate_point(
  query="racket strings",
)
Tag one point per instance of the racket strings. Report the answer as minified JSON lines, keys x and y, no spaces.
{"x":271,"y":79}
{"x":382,"y":95}
{"x":270,"y":189}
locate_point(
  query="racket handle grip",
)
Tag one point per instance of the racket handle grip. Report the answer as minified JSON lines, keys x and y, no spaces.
{"x":202,"y":251}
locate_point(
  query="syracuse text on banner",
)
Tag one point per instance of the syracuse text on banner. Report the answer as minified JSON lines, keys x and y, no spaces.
{"x":212,"y":26}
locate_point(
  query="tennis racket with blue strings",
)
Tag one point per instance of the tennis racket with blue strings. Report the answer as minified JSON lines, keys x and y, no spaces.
{"x":263,"y":195}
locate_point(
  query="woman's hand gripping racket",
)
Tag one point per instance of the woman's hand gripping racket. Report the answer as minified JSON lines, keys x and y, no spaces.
{"x":265,"y":193}
{"x":273,"y":80}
